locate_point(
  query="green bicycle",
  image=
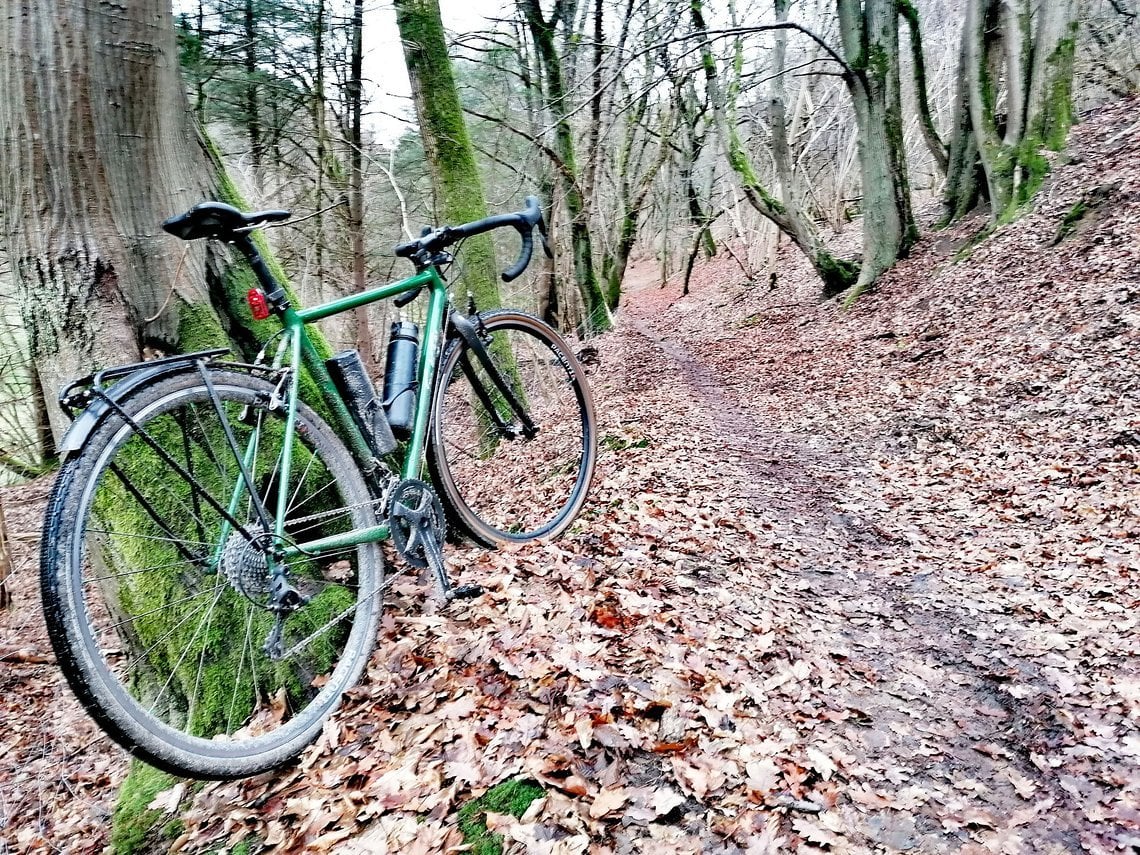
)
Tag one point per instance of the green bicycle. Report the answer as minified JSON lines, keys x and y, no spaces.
{"x":211,"y":567}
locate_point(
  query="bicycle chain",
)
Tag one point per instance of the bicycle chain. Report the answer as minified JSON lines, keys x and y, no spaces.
{"x":380,"y":504}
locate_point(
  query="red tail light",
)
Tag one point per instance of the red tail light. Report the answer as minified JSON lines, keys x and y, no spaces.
{"x":257,"y":304}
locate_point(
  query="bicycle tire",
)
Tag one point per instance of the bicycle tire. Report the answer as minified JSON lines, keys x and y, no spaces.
{"x":496,"y":489}
{"x":159,"y":618}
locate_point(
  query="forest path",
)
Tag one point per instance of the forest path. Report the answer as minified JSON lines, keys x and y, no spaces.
{"x":949,"y":715}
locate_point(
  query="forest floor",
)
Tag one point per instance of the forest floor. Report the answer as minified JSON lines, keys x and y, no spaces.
{"x":862,"y":581}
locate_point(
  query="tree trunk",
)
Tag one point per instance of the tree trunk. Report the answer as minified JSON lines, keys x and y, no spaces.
{"x":455,"y":176}
{"x":1035,"y":43}
{"x":597,"y":313}
{"x":98,"y":150}
{"x":835,"y":273}
{"x":929,"y":133}
{"x":364,"y":340}
{"x":252,"y":101}
{"x":963,"y":188}
{"x":871,"y":46}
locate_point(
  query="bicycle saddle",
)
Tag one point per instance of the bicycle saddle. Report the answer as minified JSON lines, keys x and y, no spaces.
{"x":217,"y":220}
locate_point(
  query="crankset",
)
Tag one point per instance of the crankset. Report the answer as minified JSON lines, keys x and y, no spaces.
{"x":418,"y":527}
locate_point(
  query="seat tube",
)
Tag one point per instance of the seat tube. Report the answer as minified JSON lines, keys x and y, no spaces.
{"x":285,"y":471}
{"x":429,"y":363}
{"x":274,"y":290}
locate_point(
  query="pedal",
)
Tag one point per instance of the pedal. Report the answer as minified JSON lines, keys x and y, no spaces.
{"x":465,"y":592}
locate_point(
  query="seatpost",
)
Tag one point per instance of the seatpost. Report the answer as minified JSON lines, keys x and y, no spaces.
{"x":274,"y":291}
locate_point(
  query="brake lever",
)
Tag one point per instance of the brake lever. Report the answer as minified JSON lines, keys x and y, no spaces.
{"x":542,"y":234}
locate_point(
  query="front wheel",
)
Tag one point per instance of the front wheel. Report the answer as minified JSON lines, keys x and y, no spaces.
{"x":501,"y":478}
{"x":162,"y":575}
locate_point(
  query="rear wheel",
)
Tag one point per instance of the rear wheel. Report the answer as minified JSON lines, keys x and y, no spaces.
{"x":158,"y":576}
{"x":499,"y":480}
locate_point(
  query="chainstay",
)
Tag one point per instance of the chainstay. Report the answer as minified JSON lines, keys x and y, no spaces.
{"x":379,"y":589}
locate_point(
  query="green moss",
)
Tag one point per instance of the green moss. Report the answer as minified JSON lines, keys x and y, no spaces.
{"x":200,"y":329}
{"x":837,"y":274}
{"x":452,"y":157}
{"x":510,"y":797}
{"x":742,"y":166}
{"x":133,"y":824}
{"x":1034,"y":168}
{"x":1069,"y":222}
{"x":1058,"y":117}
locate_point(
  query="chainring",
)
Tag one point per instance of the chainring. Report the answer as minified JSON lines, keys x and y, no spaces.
{"x":415,"y":508}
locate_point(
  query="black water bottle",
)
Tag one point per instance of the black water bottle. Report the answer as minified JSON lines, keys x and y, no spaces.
{"x":400,"y":376}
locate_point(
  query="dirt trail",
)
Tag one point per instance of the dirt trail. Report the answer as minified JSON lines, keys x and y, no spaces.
{"x":946,"y":744}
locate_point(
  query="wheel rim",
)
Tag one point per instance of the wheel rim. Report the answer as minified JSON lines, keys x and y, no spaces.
{"x":514,"y":488}
{"x":175,"y":612}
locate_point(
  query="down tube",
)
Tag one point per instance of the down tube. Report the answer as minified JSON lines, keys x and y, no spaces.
{"x":429,"y":363}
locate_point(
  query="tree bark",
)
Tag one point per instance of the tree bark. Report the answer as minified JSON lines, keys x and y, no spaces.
{"x":962,"y":190}
{"x":364,"y":341}
{"x":252,"y":100}
{"x":1035,"y":43}
{"x":455,"y":176}
{"x":597,"y":313}
{"x":98,"y":149}
{"x":871,"y":46}
{"x":934,"y":142}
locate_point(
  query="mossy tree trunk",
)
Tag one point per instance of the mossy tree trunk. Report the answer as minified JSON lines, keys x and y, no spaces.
{"x":836,"y":274}
{"x":1014,"y":102}
{"x":451,"y":158}
{"x":933,"y":141}
{"x":633,"y":190}
{"x":870,"y":35}
{"x":556,"y":96}
{"x":99,"y":147}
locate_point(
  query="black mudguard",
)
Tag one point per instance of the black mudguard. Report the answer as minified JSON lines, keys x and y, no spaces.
{"x":131,"y":377}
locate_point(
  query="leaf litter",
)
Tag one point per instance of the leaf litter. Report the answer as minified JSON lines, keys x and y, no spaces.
{"x":848,"y":582}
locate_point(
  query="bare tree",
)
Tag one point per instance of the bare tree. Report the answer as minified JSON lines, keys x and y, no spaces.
{"x":1015,"y":99}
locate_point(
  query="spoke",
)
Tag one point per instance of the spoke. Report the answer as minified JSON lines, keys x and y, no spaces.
{"x":143,"y":536}
{"x":163,"y":607}
{"x":289,"y":505}
{"x":247,"y":644}
{"x":126,"y":573}
{"x":218,"y":590}
{"x":204,"y":443}
{"x":170,"y":632}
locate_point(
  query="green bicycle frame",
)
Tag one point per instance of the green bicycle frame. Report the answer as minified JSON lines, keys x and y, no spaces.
{"x":301,"y":352}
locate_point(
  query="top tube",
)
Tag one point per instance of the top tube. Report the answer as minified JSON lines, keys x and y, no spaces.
{"x":383,"y":292}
